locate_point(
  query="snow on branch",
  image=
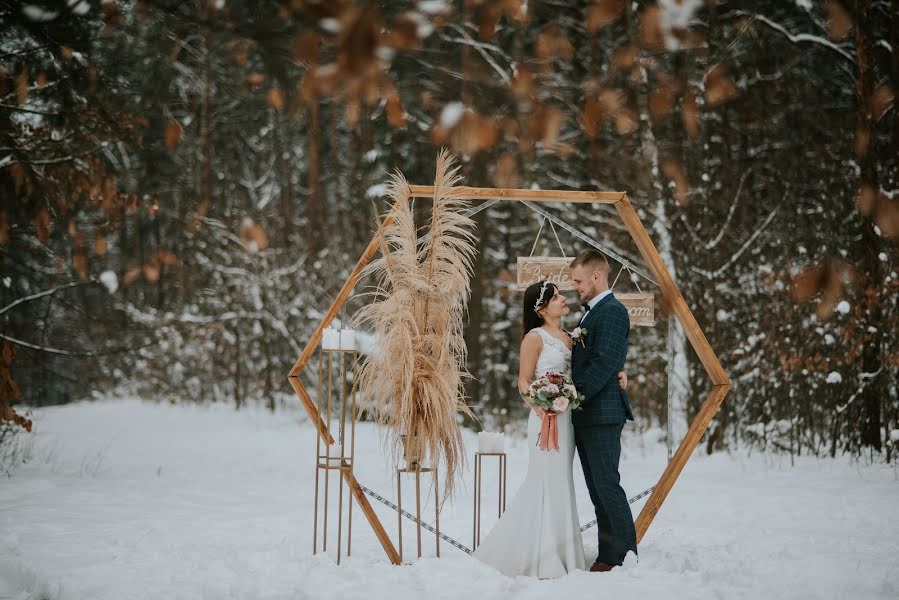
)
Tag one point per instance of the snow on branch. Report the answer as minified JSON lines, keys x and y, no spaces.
{"x":733,"y":259}
{"x":798,"y":38}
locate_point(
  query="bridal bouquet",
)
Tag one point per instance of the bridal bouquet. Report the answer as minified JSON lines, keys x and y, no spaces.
{"x":555,"y":394}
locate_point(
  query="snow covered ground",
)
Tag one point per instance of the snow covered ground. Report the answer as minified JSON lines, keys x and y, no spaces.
{"x":130,"y":499}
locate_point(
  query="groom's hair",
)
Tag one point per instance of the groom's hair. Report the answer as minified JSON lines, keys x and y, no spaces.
{"x":592,"y":259}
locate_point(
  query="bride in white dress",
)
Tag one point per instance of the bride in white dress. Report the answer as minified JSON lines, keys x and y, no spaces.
{"x":539,"y":534}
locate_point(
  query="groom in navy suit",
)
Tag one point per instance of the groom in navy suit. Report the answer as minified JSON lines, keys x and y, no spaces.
{"x":597,"y":357}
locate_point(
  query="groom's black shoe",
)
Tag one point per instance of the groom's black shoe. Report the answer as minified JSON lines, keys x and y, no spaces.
{"x":601,"y":567}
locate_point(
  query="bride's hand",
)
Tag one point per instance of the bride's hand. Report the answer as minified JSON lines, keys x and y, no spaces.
{"x":622,"y":379}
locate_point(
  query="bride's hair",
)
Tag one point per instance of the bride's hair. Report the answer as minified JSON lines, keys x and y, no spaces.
{"x":536,"y":296}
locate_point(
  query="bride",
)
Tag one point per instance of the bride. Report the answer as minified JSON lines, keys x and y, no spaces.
{"x":539,"y":535}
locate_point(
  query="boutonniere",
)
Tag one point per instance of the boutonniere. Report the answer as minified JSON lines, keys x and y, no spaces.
{"x":579,"y":334}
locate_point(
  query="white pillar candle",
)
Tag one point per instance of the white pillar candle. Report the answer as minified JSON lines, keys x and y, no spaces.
{"x":490,"y":442}
{"x":335,"y":453}
{"x":347,"y":339}
{"x":330,"y":339}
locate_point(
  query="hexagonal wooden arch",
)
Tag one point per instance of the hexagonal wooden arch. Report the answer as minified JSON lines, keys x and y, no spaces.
{"x":670,"y":294}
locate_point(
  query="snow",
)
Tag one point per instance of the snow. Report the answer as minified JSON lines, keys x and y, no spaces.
{"x":894,"y":436}
{"x":834,"y":377}
{"x":843,"y":307}
{"x":80,"y":7}
{"x":38,"y":14}
{"x":110,"y":280}
{"x":434,"y":7}
{"x":131,"y":499}
{"x":451,"y":114}
{"x":378,"y":190}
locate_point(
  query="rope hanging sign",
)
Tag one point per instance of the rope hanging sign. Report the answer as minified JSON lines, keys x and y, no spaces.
{"x":555,"y":269}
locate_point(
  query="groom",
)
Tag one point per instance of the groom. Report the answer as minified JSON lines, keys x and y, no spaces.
{"x":595,"y":361}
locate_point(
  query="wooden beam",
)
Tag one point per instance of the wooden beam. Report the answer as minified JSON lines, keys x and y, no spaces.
{"x":677,"y":462}
{"x":671,"y":294}
{"x":311,"y":409}
{"x":477,"y":193}
{"x":369,"y":513}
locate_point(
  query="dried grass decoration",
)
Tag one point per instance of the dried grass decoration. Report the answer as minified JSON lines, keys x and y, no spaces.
{"x":414,"y":377}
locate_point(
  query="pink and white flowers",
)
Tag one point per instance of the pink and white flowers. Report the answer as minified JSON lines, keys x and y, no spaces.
{"x":554,"y":393}
{"x":579,"y":334}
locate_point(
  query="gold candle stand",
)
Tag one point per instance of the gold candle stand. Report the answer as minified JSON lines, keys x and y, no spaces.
{"x":501,"y":499}
{"x":416,"y":469}
{"x":332,"y":405}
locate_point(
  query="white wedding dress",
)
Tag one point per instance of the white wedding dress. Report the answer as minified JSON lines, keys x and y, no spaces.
{"x":539,"y":534}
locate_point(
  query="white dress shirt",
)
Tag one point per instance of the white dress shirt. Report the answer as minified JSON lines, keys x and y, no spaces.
{"x":594,"y":302}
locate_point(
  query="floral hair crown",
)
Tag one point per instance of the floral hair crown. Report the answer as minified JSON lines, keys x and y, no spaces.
{"x":540,"y":297}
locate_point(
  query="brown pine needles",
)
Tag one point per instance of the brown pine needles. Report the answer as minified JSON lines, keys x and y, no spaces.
{"x":414,"y":378}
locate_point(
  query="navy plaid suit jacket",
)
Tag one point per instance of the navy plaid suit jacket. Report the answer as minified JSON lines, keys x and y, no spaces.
{"x":595,"y":365}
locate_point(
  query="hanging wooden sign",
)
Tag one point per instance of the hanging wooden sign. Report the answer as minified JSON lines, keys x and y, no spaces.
{"x":554,"y":269}
{"x":531,"y":269}
{"x":640,"y":308}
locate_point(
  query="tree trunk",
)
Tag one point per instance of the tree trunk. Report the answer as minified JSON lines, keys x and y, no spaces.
{"x":314,"y":209}
{"x":871,"y":276}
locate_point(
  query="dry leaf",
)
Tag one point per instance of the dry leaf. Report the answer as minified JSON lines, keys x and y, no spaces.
{"x":396,"y":116}
{"x":719,"y":87}
{"x":253,"y":236}
{"x":862,"y":141}
{"x":172,"y":135}
{"x":522,"y":82}
{"x":690,"y":114}
{"x":662,"y":101}
{"x":404,"y":32}
{"x":552,"y":43}
{"x":546,"y":124}
{"x":625,"y":121}
{"x":65,"y":52}
{"x":131,"y":276}
{"x":307,"y":48}
{"x":255,"y":79}
{"x":673,"y":171}
{"x":839,"y":23}
{"x":505,"y":171}
{"x":20,"y":178}
{"x":276,"y":98}
{"x":99,"y":245}
{"x":490,"y":15}
{"x":866,"y":200}
{"x":4,"y":228}
{"x":651,"y":27}
{"x":624,"y":57}
{"x":591,"y":117}
{"x":151,"y":270}
{"x":827,"y":279}
{"x":886,"y":216}
{"x":22,"y":86}
{"x":167,"y":258}
{"x":42,"y":224}
{"x":358,"y":43}
{"x":79,"y":261}
{"x":601,"y":13}
{"x":466,"y":131}
{"x":881,"y":101}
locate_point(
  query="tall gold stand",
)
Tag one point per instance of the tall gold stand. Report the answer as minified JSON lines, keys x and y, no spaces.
{"x":337,"y":402}
{"x":501,"y":499}
{"x":416,"y":469}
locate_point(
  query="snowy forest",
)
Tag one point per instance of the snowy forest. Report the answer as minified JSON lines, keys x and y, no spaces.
{"x":186,"y":184}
